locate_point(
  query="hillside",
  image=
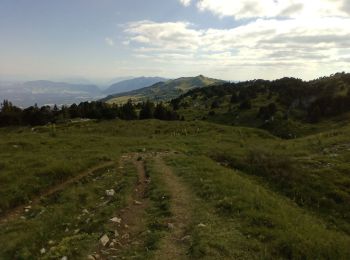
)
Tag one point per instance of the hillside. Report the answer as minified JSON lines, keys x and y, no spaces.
{"x":151,"y":189}
{"x":163,"y":90}
{"x":286,"y":107}
{"x":132,"y":84}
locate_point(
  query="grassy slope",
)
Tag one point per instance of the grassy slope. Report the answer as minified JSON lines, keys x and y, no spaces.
{"x":314,"y":188}
{"x":163,"y":90}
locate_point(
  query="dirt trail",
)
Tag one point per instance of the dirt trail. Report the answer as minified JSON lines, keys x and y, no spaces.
{"x":175,"y":244}
{"x":18,"y":211}
{"x":132,"y":218}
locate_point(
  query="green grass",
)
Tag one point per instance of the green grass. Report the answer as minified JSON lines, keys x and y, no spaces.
{"x":301,"y":186}
{"x":70,"y":222}
{"x":285,"y":230}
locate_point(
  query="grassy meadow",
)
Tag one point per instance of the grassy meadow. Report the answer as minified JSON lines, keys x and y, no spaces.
{"x":254,"y":195}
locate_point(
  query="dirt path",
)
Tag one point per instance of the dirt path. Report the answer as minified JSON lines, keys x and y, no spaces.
{"x":175,"y":245}
{"x":18,"y":211}
{"x":126,"y":234}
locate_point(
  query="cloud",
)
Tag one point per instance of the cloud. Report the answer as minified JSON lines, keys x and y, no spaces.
{"x":262,"y":43}
{"x":166,"y":36}
{"x":241,"y":9}
{"x":109,"y":41}
{"x":185,"y":2}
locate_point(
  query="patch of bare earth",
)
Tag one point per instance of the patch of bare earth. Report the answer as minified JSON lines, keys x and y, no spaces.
{"x":176,"y":243}
{"x":129,"y":223}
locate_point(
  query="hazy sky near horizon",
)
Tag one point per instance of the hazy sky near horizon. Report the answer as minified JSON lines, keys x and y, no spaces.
{"x":228,"y":39}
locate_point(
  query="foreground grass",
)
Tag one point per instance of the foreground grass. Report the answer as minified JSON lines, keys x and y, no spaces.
{"x":303,"y":217}
{"x":69,"y":223}
{"x":285,"y":230}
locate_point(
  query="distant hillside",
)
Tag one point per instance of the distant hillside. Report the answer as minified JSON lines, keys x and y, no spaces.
{"x":45,"y":92}
{"x":286,"y":107}
{"x":132,"y":84}
{"x":164,"y":90}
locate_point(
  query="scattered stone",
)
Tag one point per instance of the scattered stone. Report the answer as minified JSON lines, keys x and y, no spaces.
{"x":137,"y":202}
{"x":116,"y":220}
{"x":111,"y":244}
{"x":23,"y":217}
{"x":64,"y":258}
{"x":104,"y":240}
{"x":67,"y":230}
{"x":76,"y":231}
{"x":51,"y":242}
{"x":91,"y":257}
{"x":85,"y":211}
{"x":201,"y":225}
{"x":116,"y":233}
{"x":42,"y":251}
{"x":110,"y":192}
{"x":126,"y":226}
{"x":171,"y":226}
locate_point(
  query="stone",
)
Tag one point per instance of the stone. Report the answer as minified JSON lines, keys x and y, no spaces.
{"x":42,"y":251}
{"x":116,"y":233}
{"x":110,"y":192}
{"x":201,"y":225}
{"x":91,"y":257}
{"x":116,"y":220}
{"x":64,"y":258}
{"x":104,"y":240}
{"x":137,"y":202}
{"x":171,"y":226}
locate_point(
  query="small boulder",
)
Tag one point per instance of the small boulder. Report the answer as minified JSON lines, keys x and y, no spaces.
{"x":42,"y":251}
{"x":110,"y":192}
{"x":116,"y":220}
{"x":104,"y":240}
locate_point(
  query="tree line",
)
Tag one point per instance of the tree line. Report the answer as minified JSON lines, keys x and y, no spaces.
{"x":11,"y":115}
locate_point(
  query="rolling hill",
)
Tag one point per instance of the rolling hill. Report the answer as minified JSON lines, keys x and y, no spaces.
{"x":286,"y":107}
{"x":163,"y":91}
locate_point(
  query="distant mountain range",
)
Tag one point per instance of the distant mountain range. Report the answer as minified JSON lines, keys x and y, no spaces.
{"x":132,"y":84}
{"x":163,"y":90}
{"x":44,"y":92}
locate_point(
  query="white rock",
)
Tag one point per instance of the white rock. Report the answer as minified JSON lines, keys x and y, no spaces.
{"x":201,"y":225}
{"x":116,"y":220}
{"x":104,"y":240}
{"x":136,"y":202}
{"x":116,"y":233}
{"x":64,"y":258}
{"x":42,"y":251}
{"x":110,"y":192}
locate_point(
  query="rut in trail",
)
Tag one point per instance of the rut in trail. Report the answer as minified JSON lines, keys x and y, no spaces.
{"x":132,"y":217}
{"x":175,"y":245}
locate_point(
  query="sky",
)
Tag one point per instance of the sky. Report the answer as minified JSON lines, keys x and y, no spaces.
{"x":226,"y":39}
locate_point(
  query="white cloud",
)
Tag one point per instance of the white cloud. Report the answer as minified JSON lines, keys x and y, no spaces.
{"x":109,"y":41}
{"x":294,"y":43}
{"x":240,"y":9}
{"x":185,"y":2}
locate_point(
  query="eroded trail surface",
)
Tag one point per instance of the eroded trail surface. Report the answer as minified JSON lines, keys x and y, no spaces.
{"x":175,"y":245}
{"x":19,"y":210}
{"x":129,"y":223}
